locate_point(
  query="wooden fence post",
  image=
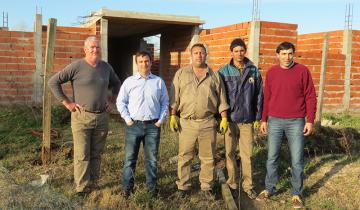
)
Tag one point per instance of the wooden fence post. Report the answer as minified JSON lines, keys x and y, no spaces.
{"x":49,"y":61}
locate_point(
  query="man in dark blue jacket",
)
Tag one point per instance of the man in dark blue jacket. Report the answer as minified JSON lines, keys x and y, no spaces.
{"x":243,"y":85}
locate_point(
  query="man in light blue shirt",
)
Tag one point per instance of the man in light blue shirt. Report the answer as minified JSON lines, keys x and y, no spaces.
{"x":143,"y":103}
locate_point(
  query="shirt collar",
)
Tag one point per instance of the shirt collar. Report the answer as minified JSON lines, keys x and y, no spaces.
{"x":247,"y":62}
{"x":207,"y":69}
{"x":138,"y":76}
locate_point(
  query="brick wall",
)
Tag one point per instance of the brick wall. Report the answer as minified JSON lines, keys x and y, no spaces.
{"x":218,"y":41}
{"x":17,"y":60}
{"x":355,"y":72}
{"x":174,"y":49}
{"x":313,"y":42}
{"x":334,"y":84}
{"x":334,"y":81}
{"x":271,"y":35}
{"x":17,"y":65}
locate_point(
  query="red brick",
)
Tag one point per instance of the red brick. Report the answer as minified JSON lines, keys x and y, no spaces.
{"x":5,"y":47}
{"x":276,"y":39}
{"x":74,"y":29}
{"x":265,"y":24}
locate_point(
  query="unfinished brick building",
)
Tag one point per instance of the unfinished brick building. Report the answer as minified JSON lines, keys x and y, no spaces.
{"x":121,"y":34}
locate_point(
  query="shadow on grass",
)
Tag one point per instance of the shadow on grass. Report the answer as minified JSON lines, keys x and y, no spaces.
{"x":334,"y":170}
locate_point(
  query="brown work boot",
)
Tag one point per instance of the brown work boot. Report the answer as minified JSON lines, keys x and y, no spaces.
{"x":263,"y":196}
{"x":297,"y":202}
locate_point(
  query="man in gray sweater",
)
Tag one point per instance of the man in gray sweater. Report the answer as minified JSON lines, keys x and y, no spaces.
{"x":90,"y":78}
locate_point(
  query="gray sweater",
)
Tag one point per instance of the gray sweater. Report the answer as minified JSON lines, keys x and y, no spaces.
{"x":89,"y":84}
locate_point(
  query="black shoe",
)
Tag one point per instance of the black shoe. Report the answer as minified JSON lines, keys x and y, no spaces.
{"x":82,"y":194}
{"x":207,"y":194}
{"x":234,"y":192}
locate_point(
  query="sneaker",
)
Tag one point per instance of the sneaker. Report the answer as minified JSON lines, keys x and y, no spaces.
{"x":207,"y":194}
{"x":263,"y":196}
{"x":297,"y":202}
{"x":251,"y":194}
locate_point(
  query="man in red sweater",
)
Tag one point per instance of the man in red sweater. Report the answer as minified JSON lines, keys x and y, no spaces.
{"x":289,"y":108}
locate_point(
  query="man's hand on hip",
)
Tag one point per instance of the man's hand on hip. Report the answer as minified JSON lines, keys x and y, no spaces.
{"x":71,"y":106}
{"x":109,"y":107}
{"x":308,"y":129}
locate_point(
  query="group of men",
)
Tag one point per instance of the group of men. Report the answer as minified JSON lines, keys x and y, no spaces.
{"x":198,"y":96}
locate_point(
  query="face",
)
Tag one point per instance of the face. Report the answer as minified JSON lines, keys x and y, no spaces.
{"x":92,"y":50}
{"x":198,"y":56}
{"x":143,"y":64}
{"x":285,"y":57}
{"x":238,"y":53}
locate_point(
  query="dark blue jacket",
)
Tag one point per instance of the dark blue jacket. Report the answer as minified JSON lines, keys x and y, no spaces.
{"x":244,"y":92}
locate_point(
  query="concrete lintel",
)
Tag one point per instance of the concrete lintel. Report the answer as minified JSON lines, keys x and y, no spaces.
{"x":254,"y":42}
{"x":160,"y":18}
{"x":38,"y":50}
{"x":347,"y":48}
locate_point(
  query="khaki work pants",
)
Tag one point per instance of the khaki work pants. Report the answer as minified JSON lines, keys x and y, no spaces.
{"x":204,"y":133}
{"x":89,"y":134}
{"x":242,"y":135}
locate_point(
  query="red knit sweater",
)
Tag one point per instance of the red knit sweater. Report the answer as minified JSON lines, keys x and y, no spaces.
{"x":289,"y":93}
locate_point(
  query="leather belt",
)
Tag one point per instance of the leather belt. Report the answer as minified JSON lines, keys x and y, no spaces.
{"x":94,"y":112}
{"x":146,"y":121}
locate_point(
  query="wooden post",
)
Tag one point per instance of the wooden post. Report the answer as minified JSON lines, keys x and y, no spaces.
{"x":49,"y":60}
{"x":38,"y":49}
{"x":225,"y":191}
{"x":322,"y":78}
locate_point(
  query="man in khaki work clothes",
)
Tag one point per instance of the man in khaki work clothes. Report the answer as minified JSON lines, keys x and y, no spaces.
{"x":90,"y":78}
{"x":197,"y":94}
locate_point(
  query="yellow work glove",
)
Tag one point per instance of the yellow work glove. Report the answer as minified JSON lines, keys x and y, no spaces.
{"x":173,"y":123}
{"x":257,"y":124}
{"x":223,"y":126}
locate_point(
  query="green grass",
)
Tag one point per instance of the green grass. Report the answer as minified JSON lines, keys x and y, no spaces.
{"x":20,"y":155}
{"x":345,"y":119}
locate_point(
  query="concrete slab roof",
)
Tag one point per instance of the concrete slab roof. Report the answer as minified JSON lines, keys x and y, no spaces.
{"x":125,"y":23}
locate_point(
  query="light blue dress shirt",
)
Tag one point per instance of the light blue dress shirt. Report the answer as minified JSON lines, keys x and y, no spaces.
{"x":143,"y":99}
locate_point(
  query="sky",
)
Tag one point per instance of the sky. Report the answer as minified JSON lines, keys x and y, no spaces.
{"x":310,"y":15}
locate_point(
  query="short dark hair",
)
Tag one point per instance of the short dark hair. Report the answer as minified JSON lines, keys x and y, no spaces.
{"x":237,"y":42}
{"x":285,"y":46}
{"x":198,"y":45}
{"x":142,"y":54}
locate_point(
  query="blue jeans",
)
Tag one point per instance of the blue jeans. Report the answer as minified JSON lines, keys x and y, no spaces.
{"x":149,"y":135}
{"x":293,"y":130}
